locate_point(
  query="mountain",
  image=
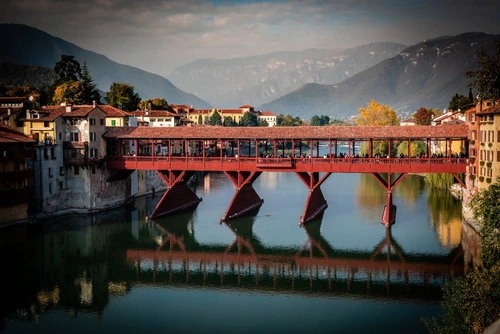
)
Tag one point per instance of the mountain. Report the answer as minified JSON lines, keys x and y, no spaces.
{"x":229,"y":83}
{"x":427,"y":74}
{"x":12,"y":74}
{"x":29,"y":46}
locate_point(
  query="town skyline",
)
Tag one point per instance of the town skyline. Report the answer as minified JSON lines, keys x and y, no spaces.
{"x":160,"y":36}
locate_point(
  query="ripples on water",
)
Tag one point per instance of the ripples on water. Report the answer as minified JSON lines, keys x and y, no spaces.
{"x":345,"y":272}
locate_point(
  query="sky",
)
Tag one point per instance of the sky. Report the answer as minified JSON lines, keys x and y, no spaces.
{"x":158,"y":36}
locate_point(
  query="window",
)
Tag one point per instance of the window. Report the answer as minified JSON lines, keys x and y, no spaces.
{"x":45,"y":124}
{"x":93,"y":152}
{"x":76,"y":171}
{"x":50,"y":172}
{"x":92,"y":121}
{"x":74,"y":136}
{"x":92,"y":136}
{"x":113,"y":123}
{"x":60,"y":135}
{"x":52,"y":153}
{"x":50,"y":187}
{"x":60,"y":185}
{"x":45,"y":153}
{"x":101,"y":121}
{"x":61,"y":171}
{"x":93,"y":169}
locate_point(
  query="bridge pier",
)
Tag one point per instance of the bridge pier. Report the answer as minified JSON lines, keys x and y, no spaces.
{"x":245,"y":199}
{"x":315,"y":203}
{"x":389,"y":214}
{"x":178,"y":196}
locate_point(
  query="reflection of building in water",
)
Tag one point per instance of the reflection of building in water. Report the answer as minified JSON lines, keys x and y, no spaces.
{"x":206,"y":183}
{"x":269,"y":181}
{"x":449,"y":232}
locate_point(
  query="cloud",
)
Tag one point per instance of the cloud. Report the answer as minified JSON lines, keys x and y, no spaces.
{"x":160,"y":35}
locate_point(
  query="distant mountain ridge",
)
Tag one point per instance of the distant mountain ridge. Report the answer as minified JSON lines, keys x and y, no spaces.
{"x":258,"y":79}
{"x":29,"y":46}
{"x":427,"y":74}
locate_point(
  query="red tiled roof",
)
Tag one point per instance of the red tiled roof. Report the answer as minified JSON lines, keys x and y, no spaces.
{"x":297,"y":132}
{"x":50,"y":113}
{"x":267,"y":113}
{"x":9,"y":135}
{"x":79,"y":111}
{"x":111,"y":111}
{"x":12,"y":99}
{"x":246,"y":106}
{"x":490,"y":111}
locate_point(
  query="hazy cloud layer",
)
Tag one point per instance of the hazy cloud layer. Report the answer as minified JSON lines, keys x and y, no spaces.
{"x":159,"y":35}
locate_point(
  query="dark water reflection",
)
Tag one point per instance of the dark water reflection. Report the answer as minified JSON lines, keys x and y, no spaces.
{"x":344,"y":272}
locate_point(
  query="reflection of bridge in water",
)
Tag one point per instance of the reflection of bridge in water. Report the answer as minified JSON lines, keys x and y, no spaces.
{"x":385,"y":272}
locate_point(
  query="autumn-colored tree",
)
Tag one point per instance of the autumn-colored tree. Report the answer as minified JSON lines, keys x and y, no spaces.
{"x":424,"y":116}
{"x":376,"y":113}
{"x":417,"y":148}
{"x":123,"y":95}
{"x":69,"y":92}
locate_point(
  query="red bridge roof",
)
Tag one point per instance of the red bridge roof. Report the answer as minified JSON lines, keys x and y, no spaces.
{"x":295,"y":132}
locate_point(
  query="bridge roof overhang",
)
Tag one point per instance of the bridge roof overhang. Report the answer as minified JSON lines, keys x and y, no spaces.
{"x":360,"y":133}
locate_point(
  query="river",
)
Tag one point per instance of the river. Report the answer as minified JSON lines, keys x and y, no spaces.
{"x":188,"y":273}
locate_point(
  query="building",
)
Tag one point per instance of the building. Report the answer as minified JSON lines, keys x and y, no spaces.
{"x":115,"y":116}
{"x":160,"y":118}
{"x":267,"y":116}
{"x":488,"y":151}
{"x":12,"y":110}
{"x":408,"y":122}
{"x":16,"y":174}
{"x":456,"y":147}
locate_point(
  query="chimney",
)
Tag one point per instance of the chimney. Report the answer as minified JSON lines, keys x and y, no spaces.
{"x":94,"y":104}
{"x":68,"y":108}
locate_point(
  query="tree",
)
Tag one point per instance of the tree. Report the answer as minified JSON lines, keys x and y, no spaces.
{"x":424,"y":116}
{"x":249,"y":119}
{"x":228,"y":121}
{"x":417,"y":148}
{"x":470,"y":303}
{"x":122,"y":95}
{"x":287,"y":120}
{"x":215,"y":118}
{"x":68,"y":69}
{"x":263,"y":122}
{"x":200,"y":119}
{"x":90,"y":92}
{"x":376,"y":113}
{"x":486,"y":79}
{"x":155,"y":104}
{"x":320,"y":120}
{"x":69,"y":92}
{"x":459,"y":102}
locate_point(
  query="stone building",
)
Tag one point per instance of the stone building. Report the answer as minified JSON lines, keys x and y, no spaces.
{"x":16,"y":175}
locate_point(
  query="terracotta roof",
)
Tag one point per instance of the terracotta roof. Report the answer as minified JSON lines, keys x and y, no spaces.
{"x":267,"y":113}
{"x":48,"y":114}
{"x":246,"y":106}
{"x":111,"y":111}
{"x":15,"y":99}
{"x":9,"y":135}
{"x":297,"y":132}
{"x":230,"y":111}
{"x":79,"y":111}
{"x":490,"y":111}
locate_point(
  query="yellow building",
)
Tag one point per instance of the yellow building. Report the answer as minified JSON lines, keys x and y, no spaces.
{"x":202,"y":116}
{"x":41,"y":125}
{"x":115,"y":116}
{"x":489,"y":146}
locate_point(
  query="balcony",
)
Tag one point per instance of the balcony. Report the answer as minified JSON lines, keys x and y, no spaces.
{"x":77,"y":145}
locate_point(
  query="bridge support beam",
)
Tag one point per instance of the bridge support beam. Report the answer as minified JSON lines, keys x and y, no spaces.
{"x":178,"y":196}
{"x":315,"y":203}
{"x":245,"y":199}
{"x":389,"y":215}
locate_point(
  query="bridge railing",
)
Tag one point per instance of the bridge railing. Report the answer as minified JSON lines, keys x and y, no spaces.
{"x":284,"y":162}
